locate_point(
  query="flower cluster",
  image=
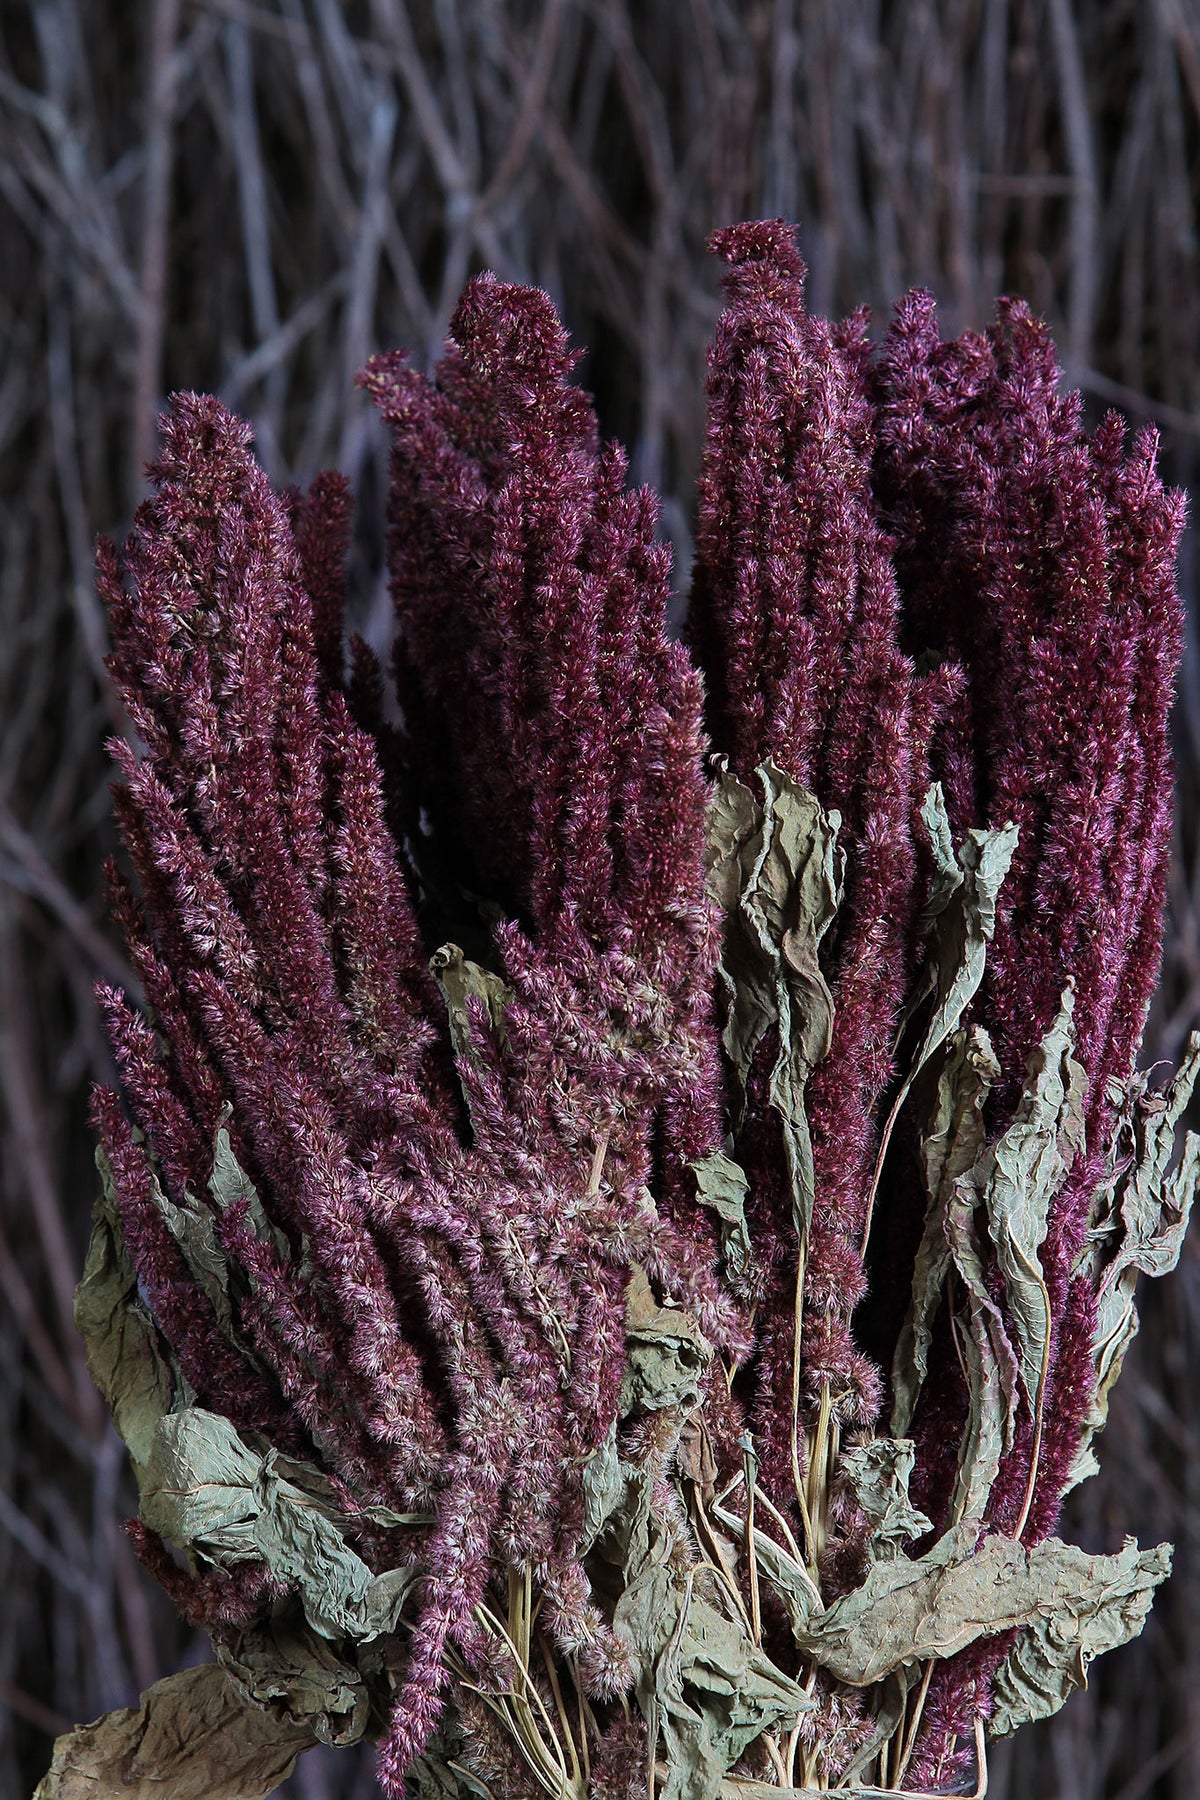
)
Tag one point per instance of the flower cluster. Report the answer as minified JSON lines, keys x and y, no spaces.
{"x":549,"y":1151}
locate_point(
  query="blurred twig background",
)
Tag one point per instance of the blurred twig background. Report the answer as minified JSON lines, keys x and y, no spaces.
{"x":251,"y":195}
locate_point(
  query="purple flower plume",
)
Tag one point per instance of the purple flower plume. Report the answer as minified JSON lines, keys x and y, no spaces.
{"x":936,"y":506}
{"x":450,"y":987}
{"x":438,"y":1319}
{"x":795,"y":616}
{"x":1042,"y":560}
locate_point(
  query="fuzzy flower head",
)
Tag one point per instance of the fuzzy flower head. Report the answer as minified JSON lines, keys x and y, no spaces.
{"x":565,"y":1121}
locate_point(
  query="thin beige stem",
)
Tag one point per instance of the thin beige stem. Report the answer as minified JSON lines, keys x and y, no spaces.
{"x":752,"y":1561}
{"x":909,"y":1737}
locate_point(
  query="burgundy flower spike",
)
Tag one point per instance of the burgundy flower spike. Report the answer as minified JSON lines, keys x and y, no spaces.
{"x":622,"y":1213}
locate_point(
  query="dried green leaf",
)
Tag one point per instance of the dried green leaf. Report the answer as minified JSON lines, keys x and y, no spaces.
{"x":950,"y":1143}
{"x":959,"y":921}
{"x":283,"y":1667}
{"x":1018,"y":1179}
{"x":777,"y":869}
{"x":193,"y":1227}
{"x":703,"y":1686}
{"x":439,"y":1773}
{"x":1142,"y":1213}
{"x":666,"y":1353}
{"x":734,"y":833}
{"x":878,"y":1474}
{"x":229,"y":1185}
{"x":209,"y":1492}
{"x":192,"y":1737}
{"x":125,"y":1356}
{"x":603,"y":1489}
{"x":461,"y":981}
{"x":960,"y":917}
{"x":790,"y":1581}
{"x":989,"y":1360}
{"x":951,"y":1246}
{"x":962,"y":1590}
{"x":956,"y":1134}
{"x":1012,"y":1185}
{"x":721,"y":1185}
{"x":887,"y":1715}
{"x":1051,"y":1656}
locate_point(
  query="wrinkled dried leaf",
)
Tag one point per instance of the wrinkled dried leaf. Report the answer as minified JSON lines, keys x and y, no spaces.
{"x":1012,"y":1184}
{"x":793,"y":1586}
{"x":734,"y":828}
{"x":439,"y":1773}
{"x":193,"y":1227}
{"x":125,"y":1356}
{"x":959,"y":920}
{"x":666,"y":1353}
{"x":956,"y":1135}
{"x":960,"y":1590}
{"x":192,"y":1737}
{"x":951,"y":1245}
{"x":603,"y":1489}
{"x":211,"y":1494}
{"x":887,"y":1714}
{"x":878,"y":1474}
{"x":229,"y":1184}
{"x":461,"y":981}
{"x":958,"y":923}
{"x":1142,"y":1215}
{"x":953,"y":1139}
{"x":1018,"y":1179}
{"x":777,"y":870}
{"x":1050,"y":1658}
{"x":721,"y":1185}
{"x":989,"y":1359}
{"x":282,"y":1666}
{"x":704,"y":1688}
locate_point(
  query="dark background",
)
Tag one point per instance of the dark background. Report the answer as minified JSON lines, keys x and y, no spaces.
{"x":250,"y":198}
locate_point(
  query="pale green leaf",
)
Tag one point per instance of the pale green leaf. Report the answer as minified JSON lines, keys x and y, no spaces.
{"x":988,"y":1356}
{"x":1073,"y":1625}
{"x":962,"y":1590}
{"x":210,"y":1493}
{"x":734,"y":829}
{"x":951,"y":1246}
{"x":777,"y":869}
{"x":878,"y":1474}
{"x":126,"y":1358}
{"x":950,"y":1143}
{"x":603,"y":1488}
{"x":192,"y":1737}
{"x":721,"y":1185}
{"x":887,"y":1714}
{"x":460,"y":982}
{"x":959,"y":921}
{"x":284,"y":1667}
{"x":1141,"y":1213}
{"x":666,"y":1353}
{"x":1019,"y":1177}
{"x":229,"y":1185}
{"x":1012,"y":1184}
{"x":705,"y":1689}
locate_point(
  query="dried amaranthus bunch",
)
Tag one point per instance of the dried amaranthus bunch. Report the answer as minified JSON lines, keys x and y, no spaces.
{"x":622,"y":1216}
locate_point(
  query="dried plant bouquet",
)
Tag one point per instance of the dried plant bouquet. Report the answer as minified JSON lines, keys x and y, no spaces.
{"x":622,"y":1217}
